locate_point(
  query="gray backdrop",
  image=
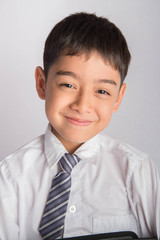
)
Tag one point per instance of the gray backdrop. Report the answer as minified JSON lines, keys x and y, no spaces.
{"x":24,"y":26}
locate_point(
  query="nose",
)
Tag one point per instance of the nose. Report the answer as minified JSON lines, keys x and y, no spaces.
{"x":82,"y":103}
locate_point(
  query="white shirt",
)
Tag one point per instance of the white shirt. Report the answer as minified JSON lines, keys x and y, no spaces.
{"x":114,"y":188}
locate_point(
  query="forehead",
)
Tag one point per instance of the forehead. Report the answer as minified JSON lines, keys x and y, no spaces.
{"x":85,"y":66}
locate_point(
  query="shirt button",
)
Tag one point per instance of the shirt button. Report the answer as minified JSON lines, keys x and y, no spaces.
{"x":72,"y":209}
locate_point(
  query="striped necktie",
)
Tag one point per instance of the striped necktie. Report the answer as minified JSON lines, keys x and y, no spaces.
{"x":52,"y":222}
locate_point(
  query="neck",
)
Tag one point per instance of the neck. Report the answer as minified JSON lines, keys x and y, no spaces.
{"x":69,"y":146}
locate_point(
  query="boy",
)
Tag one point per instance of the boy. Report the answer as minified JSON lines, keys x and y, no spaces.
{"x":114,"y":186}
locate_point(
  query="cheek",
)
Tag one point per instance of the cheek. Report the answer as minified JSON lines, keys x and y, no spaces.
{"x":51,"y":103}
{"x":105,"y":111}
{"x":55,"y":102}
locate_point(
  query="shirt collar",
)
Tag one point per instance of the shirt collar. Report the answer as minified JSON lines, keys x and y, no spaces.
{"x":54,"y":149}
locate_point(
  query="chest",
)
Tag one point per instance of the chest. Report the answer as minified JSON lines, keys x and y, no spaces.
{"x":99,"y":202}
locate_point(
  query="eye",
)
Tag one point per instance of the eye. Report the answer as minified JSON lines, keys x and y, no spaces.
{"x":103,"y":92}
{"x":67,"y":85}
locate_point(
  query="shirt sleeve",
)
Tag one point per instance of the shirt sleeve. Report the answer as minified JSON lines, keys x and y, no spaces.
{"x":145,"y":198}
{"x":8,"y":204}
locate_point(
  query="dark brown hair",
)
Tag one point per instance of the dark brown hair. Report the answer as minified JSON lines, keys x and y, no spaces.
{"x":83,"y":33}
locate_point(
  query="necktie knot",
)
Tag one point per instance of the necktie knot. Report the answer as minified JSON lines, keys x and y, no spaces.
{"x":68,"y":161}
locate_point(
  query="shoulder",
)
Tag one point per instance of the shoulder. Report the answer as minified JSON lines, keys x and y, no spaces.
{"x":130,"y":161}
{"x":26,"y":154}
{"x":122,"y":151}
{"x":118,"y":145}
{"x":33,"y":145}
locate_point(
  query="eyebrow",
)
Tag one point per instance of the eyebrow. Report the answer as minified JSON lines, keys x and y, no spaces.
{"x":106,"y":81}
{"x":66,"y":73}
{"x":72,"y":74}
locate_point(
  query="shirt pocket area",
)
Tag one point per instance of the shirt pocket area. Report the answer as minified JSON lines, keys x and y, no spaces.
{"x":112,"y":223}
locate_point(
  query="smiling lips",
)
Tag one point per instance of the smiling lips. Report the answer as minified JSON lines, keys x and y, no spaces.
{"x":78,"y":122}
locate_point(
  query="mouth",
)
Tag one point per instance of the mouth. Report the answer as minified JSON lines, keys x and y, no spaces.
{"x":78,"y":122}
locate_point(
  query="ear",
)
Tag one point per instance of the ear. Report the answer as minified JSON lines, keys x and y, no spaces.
{"x":120,"y":97}
{"x":40,"y":82}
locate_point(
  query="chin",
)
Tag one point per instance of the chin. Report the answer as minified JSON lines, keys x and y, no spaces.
{"x":74,"y":137}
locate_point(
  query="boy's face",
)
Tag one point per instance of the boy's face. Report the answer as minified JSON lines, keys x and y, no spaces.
{"x":81,"y":94}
